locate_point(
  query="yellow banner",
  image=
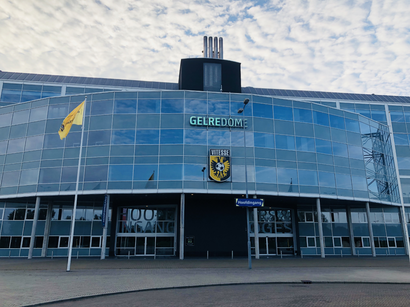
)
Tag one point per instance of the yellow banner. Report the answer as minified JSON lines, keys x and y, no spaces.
{"x":75,"y":117}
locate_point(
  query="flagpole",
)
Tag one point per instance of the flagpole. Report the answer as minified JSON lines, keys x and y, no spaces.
{"x":70,"y":242}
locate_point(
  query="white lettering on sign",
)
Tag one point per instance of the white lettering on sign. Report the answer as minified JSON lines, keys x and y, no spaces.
{"x":218,"y":122}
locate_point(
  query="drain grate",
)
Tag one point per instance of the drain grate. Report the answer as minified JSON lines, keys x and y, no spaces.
{"x":306,"y":281}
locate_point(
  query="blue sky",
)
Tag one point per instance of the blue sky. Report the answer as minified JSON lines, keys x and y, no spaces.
{"x":333,"y":45}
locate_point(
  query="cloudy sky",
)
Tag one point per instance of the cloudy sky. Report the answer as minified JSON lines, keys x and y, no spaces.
{"x":329,"y":45}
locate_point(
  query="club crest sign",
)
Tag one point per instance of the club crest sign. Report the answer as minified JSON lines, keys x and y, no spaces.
{"x":220,"y":164}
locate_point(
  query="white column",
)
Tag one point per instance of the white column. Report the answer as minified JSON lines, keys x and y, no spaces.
{"x":182,"y":227}
{"x":104,"y":236}
{"x":351,"y":233}
{"x":319,"y":219}
{"x":47,"y":229}
{"x":369,"y":223}
{"x":33,"y":228}
{"x":256,"y":232}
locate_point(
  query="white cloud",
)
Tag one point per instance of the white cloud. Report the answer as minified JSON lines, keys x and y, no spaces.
{"x":351,"y":46}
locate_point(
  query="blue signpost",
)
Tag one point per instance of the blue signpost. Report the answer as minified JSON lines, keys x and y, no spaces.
{"x":249,"y":202}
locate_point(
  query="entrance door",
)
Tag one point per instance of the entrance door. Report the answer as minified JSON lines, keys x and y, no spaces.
{"x":275,"y":232}
{"x":146,"y":232}
{"x":267,"y":246}
{"x":145,"y":246}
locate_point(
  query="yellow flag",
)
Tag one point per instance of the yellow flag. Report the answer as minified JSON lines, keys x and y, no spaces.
{"x":75,"y":117}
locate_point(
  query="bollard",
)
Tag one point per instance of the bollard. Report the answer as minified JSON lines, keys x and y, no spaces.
{"x":281,"y":254}
{"x":52,"y":254}
{"x":77,"y":254}
{"x":386,"y":252}
{"x":232,"y":254}
{"x":128,"y":255}
{"x":301,"y":254}
{"x":207,"y":254}
{"x":341,"y":254}
{"x":358,"y":253}
{"x":9,"y":254}
{"x":155,"y":256}
{"x":395,"y":252}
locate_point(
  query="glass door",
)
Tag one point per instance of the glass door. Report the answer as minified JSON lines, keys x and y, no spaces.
{"x":146,"y":232}
{"x":275,"y":232}
{"x":267,"y":246}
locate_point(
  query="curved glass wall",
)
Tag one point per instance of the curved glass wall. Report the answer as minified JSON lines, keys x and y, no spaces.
{"x":148,"y":142}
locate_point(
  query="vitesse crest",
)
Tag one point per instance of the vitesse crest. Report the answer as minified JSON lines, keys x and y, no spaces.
{"x":220,"y":164}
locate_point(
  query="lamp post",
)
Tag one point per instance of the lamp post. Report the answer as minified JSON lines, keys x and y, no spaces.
{"x":242,"y":110}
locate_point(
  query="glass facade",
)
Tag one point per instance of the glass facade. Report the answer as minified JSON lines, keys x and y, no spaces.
{"x":344,"y":149}
{"x":139,"y":141}
{"x":16,"y":221}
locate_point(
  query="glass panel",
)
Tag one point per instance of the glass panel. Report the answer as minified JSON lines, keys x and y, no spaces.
{"x":147,"y":137}
{"x":123,"y":137}
{"x":272,"y":246}
{"x":150,"y":246}
{"x":262,"y":246}
{"x":148,"y":106}
{"x":125,"y":106}
{"x":16,"y":146}
{"x":327,"y":179}
{"x":337,"y":122}
{"x":195,"y":106}
{"x":262,"y":110}
{"x":172,"y":136}
{"x":196,"y":137}
{"x":305,"y":144}
{"x":302,"y":115}
{"x":20,"y":117}
{"x":120,"y":173}
{"x":308,"y":177}
{"x":283,"y":113}
{"x":320,"y":118}
{"x":170,"y":172}
{"x":101,"y":107}
{"x":172,"y":106}
{"x":57,"y":111}
{"x":220,"y":108}
{"x":140,"y":250}
{"x":35,"y":142}
{"x":285,"y":142}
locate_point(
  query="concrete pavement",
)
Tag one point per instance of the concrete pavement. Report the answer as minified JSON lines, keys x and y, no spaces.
{"x":29,"y":282}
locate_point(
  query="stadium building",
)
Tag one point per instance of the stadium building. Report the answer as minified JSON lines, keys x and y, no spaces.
{"x":333,"y":169}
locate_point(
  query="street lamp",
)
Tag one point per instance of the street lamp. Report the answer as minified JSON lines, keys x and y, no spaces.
{"x":242,"y":110}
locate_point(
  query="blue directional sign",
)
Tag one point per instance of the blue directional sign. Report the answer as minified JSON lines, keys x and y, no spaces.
{"x":249,"y":202}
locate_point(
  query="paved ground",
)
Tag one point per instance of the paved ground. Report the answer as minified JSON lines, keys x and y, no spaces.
{"x":28,"y":282}
{"x":258,"y":295}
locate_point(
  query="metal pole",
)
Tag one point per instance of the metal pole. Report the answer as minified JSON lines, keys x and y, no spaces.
{"x":33,"y":228}
{"x":70,"y":242}
{"x":256,"y":231}
{"x":246,"y":187}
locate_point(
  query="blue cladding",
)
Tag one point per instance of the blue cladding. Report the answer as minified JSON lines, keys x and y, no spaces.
{"x":130,"y":136}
